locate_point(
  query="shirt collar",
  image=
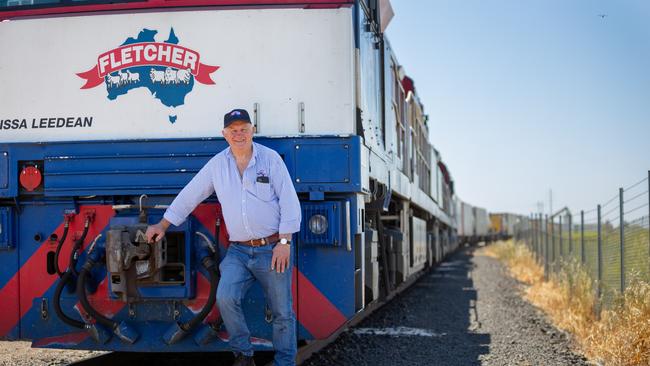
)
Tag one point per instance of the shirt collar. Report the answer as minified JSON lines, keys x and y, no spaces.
{"x":253,"y":157}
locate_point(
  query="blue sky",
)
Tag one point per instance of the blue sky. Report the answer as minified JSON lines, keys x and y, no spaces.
{"x":527,"y":96}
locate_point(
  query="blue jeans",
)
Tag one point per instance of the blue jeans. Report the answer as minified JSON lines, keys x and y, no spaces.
{"x":239,"y":269}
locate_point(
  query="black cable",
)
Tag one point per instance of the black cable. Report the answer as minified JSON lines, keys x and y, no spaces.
{"x":59,"y":246}
{"x":56,"y":302}
{"x":72,"y":264}
{"x":210,"y":265}
{"x":81,"y":294}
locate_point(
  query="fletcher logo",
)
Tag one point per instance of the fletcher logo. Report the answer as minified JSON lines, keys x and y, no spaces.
{"x":149,"y":53}
{"x":167,"y":69}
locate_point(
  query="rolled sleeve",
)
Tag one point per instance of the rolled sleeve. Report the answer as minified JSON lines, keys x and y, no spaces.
{"x":290,"y":213}
{"x":197,"y":190}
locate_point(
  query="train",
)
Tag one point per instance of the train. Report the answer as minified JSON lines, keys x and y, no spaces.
{"x":505,"y":225}
{"x":476,"y":225}
{"x":110,"y":108}
{"x":472,"y":223}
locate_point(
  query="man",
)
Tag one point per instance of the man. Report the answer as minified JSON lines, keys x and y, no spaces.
{"x":262,"y":211}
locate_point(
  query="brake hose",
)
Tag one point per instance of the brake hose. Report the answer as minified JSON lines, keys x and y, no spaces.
{"x":66,"y":226}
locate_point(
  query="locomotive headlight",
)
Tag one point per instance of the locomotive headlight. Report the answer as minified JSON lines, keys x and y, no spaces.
{"x":318,"y":224}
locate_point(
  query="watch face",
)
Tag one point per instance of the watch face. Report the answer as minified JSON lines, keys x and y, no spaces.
{"x":284,"y":241}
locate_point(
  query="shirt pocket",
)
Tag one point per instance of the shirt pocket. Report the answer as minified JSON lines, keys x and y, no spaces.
{"x":263,"y":191}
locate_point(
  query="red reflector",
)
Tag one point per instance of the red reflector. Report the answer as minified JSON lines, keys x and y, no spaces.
{"x":30,"y":178}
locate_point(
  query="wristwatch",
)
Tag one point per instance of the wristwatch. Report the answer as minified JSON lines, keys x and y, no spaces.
{"x":284,"y":241}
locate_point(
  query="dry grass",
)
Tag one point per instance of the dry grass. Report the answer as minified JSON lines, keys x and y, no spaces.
{"x":519,"y":260}
{"x":622,"y":334}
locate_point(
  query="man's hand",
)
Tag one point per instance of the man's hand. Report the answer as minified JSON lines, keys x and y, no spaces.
{"x":281,"y":257}
{"x":157,"y":231}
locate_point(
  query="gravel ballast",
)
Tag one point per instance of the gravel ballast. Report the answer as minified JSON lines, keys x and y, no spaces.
{"x":467,"y":311}
{"x":21,"y":354}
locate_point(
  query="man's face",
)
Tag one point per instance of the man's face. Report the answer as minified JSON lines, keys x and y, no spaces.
{"x":239,"y":135}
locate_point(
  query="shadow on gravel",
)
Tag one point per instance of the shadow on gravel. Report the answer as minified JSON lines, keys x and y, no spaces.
{"x":435,"y":308}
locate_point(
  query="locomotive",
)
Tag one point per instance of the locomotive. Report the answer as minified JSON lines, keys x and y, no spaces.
{"x":110,"y":108}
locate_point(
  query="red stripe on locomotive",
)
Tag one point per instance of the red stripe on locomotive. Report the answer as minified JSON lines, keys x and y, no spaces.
{"x":31,"y":277}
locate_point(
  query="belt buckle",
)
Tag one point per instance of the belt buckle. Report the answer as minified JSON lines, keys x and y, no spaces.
{"x":262,"y":242}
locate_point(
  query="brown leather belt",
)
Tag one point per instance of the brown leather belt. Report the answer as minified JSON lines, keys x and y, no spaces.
{"x":261,"y":242}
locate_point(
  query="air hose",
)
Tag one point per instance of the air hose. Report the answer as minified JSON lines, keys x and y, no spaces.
{"x":74,"y":254}
{"x":66,"y":226}
{"x":178,"y":331}
{"x":69,"y":275}
{"x":210,"y":331}
{"x":56,"y":302}
{"x":210,"y":266}
{"x":81,"y":293}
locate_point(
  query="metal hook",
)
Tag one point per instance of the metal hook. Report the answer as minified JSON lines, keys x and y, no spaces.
{"x":143,"y":196}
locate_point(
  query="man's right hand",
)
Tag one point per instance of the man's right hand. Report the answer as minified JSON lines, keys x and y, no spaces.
{"x":157,"y":231}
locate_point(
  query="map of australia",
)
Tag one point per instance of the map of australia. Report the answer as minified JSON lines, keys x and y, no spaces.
{"x":167,"y":69}
{"x":163,"y":82}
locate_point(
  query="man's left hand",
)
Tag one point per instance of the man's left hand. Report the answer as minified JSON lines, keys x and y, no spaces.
{"x":280,"y":260}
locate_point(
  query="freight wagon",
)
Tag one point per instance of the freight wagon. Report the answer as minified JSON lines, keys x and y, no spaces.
{"x":473,"y":223}
{"x":110,"y":108}
{"x":503,"y":225}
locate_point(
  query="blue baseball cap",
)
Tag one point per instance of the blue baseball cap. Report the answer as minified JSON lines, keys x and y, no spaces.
{"x":235,"y":115}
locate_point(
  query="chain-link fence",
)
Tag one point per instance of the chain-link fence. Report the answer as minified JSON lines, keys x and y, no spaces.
{"x":611,"y":240}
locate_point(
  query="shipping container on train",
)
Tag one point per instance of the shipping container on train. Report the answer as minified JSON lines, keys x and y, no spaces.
{"x":503,"y":224}
{"x":473,"y":224}
{"x":324,"y":89}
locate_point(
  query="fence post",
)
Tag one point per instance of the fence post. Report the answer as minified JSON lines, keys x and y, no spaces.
{"x":542,"y":244}
{"x":530,"y":231}
{"x":546,"y":248}
{"x":570,"y":235}
{"x":540,"y":237}
{"x":553,"y":243}
{"x":622,"y":238}
{"x":600,"y":260}
{"x":561,"y":241}
{"x":582,"y":236}
{"x":534,"y":234}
